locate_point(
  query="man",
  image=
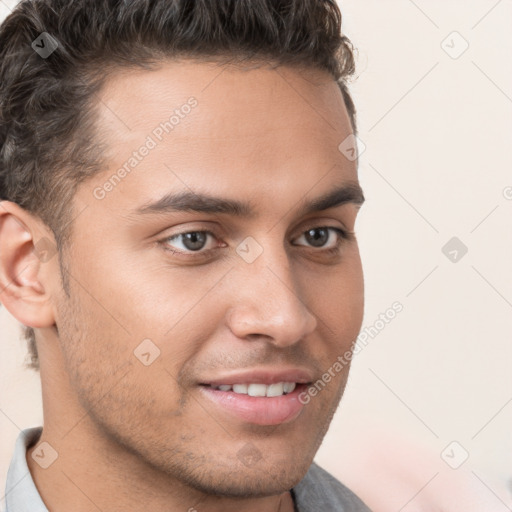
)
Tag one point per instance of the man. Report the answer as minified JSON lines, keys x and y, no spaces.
{"x":179,"y":195}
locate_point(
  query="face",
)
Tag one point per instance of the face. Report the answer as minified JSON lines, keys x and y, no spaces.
{"x":205,"y":263}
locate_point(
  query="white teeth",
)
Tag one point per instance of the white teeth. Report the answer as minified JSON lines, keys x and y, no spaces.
{"x":240,"y":388}
{"x":276,"y":389}
{"x":257,"y":390}
{"x":289,"y":387}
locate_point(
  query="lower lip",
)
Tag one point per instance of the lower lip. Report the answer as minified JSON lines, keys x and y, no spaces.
{"x":258,"y":410}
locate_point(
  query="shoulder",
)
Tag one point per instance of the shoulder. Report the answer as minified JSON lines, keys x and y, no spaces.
{"x":319,"y":490}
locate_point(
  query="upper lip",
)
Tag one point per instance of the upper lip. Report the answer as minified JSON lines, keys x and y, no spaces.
{"x":262,"y":376}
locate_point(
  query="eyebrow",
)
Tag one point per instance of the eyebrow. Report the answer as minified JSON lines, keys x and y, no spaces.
{"x":188,"y":201}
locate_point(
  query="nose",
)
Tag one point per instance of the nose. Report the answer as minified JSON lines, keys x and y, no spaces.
{"x":268,"y":302}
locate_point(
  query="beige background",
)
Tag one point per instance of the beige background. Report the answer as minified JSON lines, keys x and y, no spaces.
{"x":437,"y":165}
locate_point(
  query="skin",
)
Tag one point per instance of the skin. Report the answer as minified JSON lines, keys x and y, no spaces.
{"x":130,"y":436}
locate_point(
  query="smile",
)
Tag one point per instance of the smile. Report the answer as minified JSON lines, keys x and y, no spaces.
{"x":271,"y":390}
{"x":259,"y":404}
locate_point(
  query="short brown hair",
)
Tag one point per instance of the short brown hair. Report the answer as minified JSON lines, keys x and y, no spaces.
{"x":47,"y":143}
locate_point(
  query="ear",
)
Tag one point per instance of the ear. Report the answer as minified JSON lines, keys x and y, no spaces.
{"x":27,"y":253}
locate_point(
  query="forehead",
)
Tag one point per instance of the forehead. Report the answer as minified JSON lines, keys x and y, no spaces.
{"x":259,"y":130}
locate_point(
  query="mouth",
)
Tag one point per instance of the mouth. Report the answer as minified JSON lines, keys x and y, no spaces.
{"x":257,"y":403}
{"x":258,"y":389}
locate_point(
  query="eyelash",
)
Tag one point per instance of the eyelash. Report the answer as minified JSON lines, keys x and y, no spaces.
{"x":343,"y":236}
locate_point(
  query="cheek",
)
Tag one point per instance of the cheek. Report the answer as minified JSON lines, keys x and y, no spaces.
{"x":155,"y":299}
{"x":338,"y":300}
{"x":117,"y":386}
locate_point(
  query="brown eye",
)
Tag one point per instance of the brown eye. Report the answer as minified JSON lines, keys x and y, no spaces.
{"x":191,"y":241}
{"x":317,"y":237}
{"x":323,"y":237}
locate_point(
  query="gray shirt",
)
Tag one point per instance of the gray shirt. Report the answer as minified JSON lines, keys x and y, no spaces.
{"x":318,"y":490}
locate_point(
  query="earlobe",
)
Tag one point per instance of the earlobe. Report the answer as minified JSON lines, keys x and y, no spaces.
{"x":26,"y":251}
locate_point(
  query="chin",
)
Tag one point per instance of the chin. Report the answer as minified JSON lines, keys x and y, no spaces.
{"x":247,"y":482}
